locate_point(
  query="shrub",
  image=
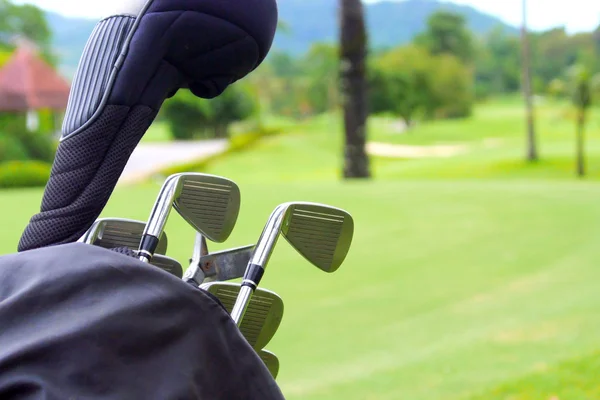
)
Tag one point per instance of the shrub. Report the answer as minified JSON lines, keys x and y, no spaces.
{"x":24,"y":174}
{"x":190,"y":117}
{"x":17,"y":143}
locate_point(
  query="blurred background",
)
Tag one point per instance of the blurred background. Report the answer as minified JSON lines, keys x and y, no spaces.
{"x":464,"y":138}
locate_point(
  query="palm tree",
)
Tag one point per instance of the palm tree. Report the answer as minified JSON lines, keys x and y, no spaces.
{"x":532,"y":153}
{"x":353,"y":82}
{"x":582,"y":98}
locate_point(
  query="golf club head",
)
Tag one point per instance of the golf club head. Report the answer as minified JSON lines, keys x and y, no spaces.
{"x":209,"y":203}
{"x":219,"y":266}
{"x":263,"y":315}
{"x":167,"y":264}
{"x":321,"y":234}
{"x":111,"y":233}
{"x":271,"y":361}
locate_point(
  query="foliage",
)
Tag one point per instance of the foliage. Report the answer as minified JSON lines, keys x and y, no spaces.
{"x":447,"y":33}
{"x":557,"y":88}
{"x":497,"y":64}
{"x":17,"y":143}
{"x":581,"y":86}
{"x":22,"y":174}
{"x":411,"y":82}
{"x":23,"y":21}
{"x":321,"y":68}
{"x":581,"y":79}
{"x":190,"y":117}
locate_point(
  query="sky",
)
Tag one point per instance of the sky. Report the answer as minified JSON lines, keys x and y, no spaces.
{"x":575,"y":15}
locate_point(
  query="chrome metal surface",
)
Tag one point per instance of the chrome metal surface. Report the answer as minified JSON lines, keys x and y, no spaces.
{"x":263,"y":315}
{"x":238,"y":311}
{"x":162,"y":206}
{"x":210,"y":204}
{"x":226,"y":265}
{"x":269,"y":236}
{"x":321,"y":234}
{"x":271,"y":361}
{"x":219,"y":266}
{"x":167,"y":264}
{"x":111,"y":233}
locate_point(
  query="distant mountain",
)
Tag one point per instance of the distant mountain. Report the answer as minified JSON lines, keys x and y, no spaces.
{"x":390,"y":23}
{"x":69,"y":36}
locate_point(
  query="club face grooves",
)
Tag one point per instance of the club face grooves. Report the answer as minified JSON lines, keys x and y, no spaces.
{"x":210,"y":204}
{"x":167,"y":264}
{"x":320,"y":233}
{"x":263,"y":315}
{"x":115,"y":233}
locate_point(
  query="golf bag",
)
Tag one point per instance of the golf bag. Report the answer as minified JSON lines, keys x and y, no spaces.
{"x":83,"y":322}
{"x":131,"y":64}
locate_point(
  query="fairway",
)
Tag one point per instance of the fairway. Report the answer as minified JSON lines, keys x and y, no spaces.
{"x":473,"y":277}
{"x":450,"y":289}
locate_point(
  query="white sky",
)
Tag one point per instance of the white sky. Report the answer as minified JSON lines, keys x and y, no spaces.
{"x":576,"y":15}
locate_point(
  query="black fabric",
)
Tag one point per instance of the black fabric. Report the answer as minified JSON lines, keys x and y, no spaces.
{"x":81,"y":182}
{"x":203,"y":45}
{"x":82,"y":322}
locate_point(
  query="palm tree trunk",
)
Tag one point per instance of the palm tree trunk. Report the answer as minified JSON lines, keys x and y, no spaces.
{"x":353,"y":55}
{"x":532,"y":153}
{"x":581,"y":144}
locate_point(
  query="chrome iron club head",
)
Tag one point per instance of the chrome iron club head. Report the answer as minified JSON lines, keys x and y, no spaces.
{"x":321,"y":233}
{"x":167,"y":264}
{"x":216,"y":267}
{"x":111,"y":233}
{"x":271,"y":361}
{"x":263,"y":315}
{"x":210,"y":204}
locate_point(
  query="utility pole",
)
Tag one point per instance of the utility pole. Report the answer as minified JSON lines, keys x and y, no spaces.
{"x":532,"y":153}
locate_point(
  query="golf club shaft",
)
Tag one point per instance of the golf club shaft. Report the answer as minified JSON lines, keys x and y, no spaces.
{"x":241,"y":303}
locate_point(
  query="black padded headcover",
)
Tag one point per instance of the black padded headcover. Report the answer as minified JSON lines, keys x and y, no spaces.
{"x":129,"y":67}
{"x":82,"y":322}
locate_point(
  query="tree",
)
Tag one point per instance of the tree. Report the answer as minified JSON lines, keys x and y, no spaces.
{"x":447,"y":33}
{"x":190,"y":117}
{"x":25,"y":21}
{"x":400,"y":83}
{"x":410,"y":82}
{"x":320,"y":67}
{"x":582,"y":99}
{"x":498,"y":64}
{"x":532,"y":153}
{"x":353,"y":82}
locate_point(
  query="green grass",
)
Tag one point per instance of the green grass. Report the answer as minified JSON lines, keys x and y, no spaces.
{"x":498,"y":119}
{"x":470,"y":278}
{"x":158,"y":132}
{"x":572,"y":379}
{"x":450,"y":289}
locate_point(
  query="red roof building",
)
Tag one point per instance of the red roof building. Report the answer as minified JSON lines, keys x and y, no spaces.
{"x":29,"y":83}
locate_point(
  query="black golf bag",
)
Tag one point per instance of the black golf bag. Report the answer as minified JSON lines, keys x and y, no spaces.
{"x":82,"y":322}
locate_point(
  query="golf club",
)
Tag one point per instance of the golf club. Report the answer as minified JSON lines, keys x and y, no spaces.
{"x":167,"y":264}
{"x":321,"y":234}
{"x":263,"y":315}
{"x":271,"y":361}
{"x":210,"y":204}
{"x":219,"y":266}
{"x":111,"y":233}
